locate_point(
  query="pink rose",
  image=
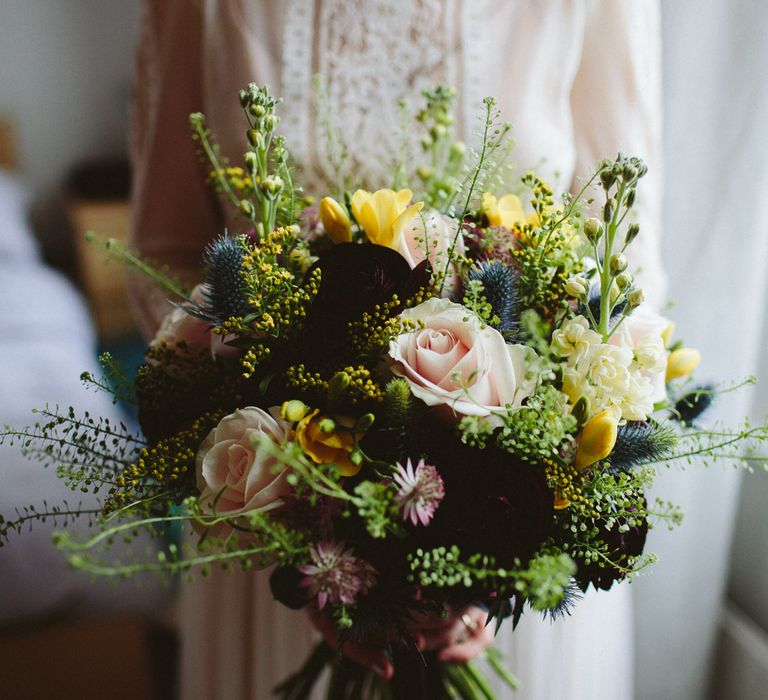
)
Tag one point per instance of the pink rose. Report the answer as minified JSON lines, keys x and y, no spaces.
{"x":430,"y":235}
{"x":178,"y":326}
{"x":243,"y":477}
{"x":453,"y":359}
{"x":642,"y":332}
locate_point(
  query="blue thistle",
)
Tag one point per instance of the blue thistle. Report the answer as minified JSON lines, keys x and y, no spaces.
{"x":693,"y":403}
{"x":641,"y":442}
{"x":500,"y":289}
{"x":224,"y":294}
{"x":594,"y":305}
{"x":571,"y":595}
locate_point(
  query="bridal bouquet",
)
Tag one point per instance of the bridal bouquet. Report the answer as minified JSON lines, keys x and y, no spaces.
{"x":403,"y":401}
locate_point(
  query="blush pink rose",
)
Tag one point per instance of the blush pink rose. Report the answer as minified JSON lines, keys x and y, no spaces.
{"x":429,"y":236}
{"x":243,"y":477}
{"x":453,"y":359}
{"x":178,"y":326}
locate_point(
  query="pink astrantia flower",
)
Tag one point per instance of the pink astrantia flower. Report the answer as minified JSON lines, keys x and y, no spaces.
{"x":421,"y":491}
{"x":336,"y":575}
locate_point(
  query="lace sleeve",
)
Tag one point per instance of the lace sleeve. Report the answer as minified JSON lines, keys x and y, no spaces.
{"x":616,"y":105}
{"x":174,"y":212}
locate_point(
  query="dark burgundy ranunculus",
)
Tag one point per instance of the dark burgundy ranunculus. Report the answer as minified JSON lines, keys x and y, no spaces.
{"x":494,"y":503}
{"x":354,"y":279}
{"x":622,"y":546}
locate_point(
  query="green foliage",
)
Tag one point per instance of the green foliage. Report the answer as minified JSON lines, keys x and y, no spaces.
{"x":538,"y":430}
{"x":377,"y":505}
{"x":476,"y":300}
{"x":545,"y":580}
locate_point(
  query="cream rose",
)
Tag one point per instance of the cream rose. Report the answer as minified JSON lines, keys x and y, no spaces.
{"x":178,"y":326}
{"x":453,"y":359}
{"x":429,"y":235}
{"x":245,"y":475}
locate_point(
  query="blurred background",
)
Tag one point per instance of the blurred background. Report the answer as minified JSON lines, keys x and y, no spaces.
{"x":65,"y":77}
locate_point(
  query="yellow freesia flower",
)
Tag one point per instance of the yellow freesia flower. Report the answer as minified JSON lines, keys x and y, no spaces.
{"x":326,"y":446}
{"x":506,"y":211}
{"x":335,"y":220}
{"x":384,"y":214}
{"x":598,"y":438}
{"x":681,"y":362}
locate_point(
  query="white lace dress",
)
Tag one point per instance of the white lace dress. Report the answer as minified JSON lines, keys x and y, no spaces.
{"x":578,"y":79}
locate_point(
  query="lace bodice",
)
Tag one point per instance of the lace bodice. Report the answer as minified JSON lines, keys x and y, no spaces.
{"x":578,"y":79}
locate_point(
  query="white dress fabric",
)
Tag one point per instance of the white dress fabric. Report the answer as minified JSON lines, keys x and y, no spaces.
{"x":578,"y":79}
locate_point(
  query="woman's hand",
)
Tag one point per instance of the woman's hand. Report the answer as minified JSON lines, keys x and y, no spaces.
{"x":458,"y":638}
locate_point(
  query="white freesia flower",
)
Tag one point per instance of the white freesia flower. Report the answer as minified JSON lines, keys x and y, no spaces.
{"x":620,"y":376}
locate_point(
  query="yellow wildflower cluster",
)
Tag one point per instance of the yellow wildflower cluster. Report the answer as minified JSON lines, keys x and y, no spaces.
{"x":252,"y":358}
{"x":567,"y":484}
{"x":278,"y":301}
{"x":233,"y":324}
{"x":377,"y":328}
{"x":237,"y":178}
{"x":167,"y":463}
{"x":362,"y":386}
{"x":299,"y":377}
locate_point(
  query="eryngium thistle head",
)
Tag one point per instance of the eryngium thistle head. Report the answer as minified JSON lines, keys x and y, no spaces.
{"x":693,"y":403}
{"x":224,"y":293}
{"x":500,"y":289}
{"x":642,"y":442}
{"x":594,"y":305}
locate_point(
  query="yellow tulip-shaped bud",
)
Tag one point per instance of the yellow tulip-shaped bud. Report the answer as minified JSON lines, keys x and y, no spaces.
{"x":667,"y":333}
{"x":335,"y":220}
{"x":384,"y":214}
{"x":682,"y":362}
{"x":597,"y":439}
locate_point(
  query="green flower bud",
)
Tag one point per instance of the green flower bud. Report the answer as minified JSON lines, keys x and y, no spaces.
{"x":254,"y":137}
{"x":243,"y":95}
{"x":251,"y":161}
{"x":618,"y":263}
{"x":438,"y":131}
{"x":458,"y":149}
{"x":271,"y":122}
{"x":364,"y":422}
{"x":630,"y":200}
{"x":338,"y":384}
{"x":629,"y":172}
{"x":577,"y":287}
{"x":246,"y":207}
{"x":272,"y":184}
{"x":425,"y":172}
{"x":326,"y":425}
{"x":607,"y":211}
{"x":593,"y":230}
{"x":632,"y":232}
{"x":607,"y":178}
{"x":293,"y":411}
{"x":356,"y":457}
{"x":257,"y":110}
{"x":581,"y":410}
{"x":426,"y":141}
{"x":624,"y":281}
{"x":635,"y":298}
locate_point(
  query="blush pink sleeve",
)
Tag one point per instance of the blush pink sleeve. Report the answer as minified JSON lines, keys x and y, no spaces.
{"x":174,"y":212}
{"x":616,"y":106}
